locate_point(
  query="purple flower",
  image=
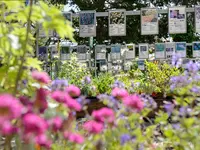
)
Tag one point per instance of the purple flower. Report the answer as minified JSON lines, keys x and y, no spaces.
{"x":195,"y":90}
{"x":183,"y":111}
{"x":176,"y":126}
{"x":59,"y":84}
{"x":176,"y":60}
{"x":192,"y":67}
{"x":169,"y":107}
{"x":118,"y":84}
{"x":87,"y":80}
{"x":124,"y":138}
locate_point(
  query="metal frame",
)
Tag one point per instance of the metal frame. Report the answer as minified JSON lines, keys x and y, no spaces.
{"x":196,"y":6}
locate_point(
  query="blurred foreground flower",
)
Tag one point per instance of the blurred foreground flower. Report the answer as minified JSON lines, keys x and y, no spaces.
{"x":134,"y":102}
{"x":42,"y":77}
{"x":93,"y":127}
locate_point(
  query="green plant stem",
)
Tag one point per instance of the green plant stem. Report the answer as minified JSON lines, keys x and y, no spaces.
{"x":24,"y":48}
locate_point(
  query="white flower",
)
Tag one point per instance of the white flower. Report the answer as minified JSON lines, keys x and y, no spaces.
{"x":14,"y":41}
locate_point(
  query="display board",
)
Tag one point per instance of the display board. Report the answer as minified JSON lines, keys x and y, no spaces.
{"x":196,"y":49}
{"x":143,"y":51}
{"x":181,"y":49}
{"x":87,"y":24}
{"x":100,"y":52}
{"x":117,"y":23}
{"x":160,"y":50}
{"x":130,"y":54}
{"x":65,"y":53}
{"x":149,"y":21}
{"x":82,"y":52}
{"x":197,"y":18}
{"x":170,"y":49}
{"x":115,"y":52}
{"x":177,"y":20}
{"x":68,"y":16}
{"x":141,"y":64}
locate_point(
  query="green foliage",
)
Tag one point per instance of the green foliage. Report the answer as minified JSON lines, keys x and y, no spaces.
{"x":73,"y":71}
{"x":103,"y":82}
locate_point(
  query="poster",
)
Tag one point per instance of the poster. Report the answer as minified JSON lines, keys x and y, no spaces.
{"x":87,"y":24}
{"x":42,"y":32}
{"x":160,"y":50}
{"x":115,"y":52}
{"x":117,"y":23}
{"x":65,"y":53}
{"x":177,"y":20}
{"x":170,"y":49}
{"x":181,"y":49}
{"x":143,"y":51}
{"x":197,"y":18}
{"x":100,"y":52}
{"x":141,"y":64}
{"x":149,"y":21}
{"x":68,"y":16}
{"x":130,"y":54}
{"x":82,"y":52}
{"x":196,"y":49}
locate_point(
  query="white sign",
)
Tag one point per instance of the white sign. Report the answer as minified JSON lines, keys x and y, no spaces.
{"x":149,"y":21}
{"x":64,"y":56}
{"x":177,"y":20}
{"x":115,"y":52}
{"x":141,"y":64}
{"x":181,"y":49}
{"x":87,"y":24}
{"x":170,"y":49}
{"x":117,"y":23}
{"x":143,"y":51}
{"x":160,"y":50}
{"x":42,"y":32}
{"x":197,"y":18}
{"x":196,"y":49}
{"x":100,"y":52}
{"x":130,"y":54}
{"x":82,"y":52}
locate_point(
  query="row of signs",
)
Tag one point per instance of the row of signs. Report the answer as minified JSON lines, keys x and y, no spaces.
{"x":149,"y":21}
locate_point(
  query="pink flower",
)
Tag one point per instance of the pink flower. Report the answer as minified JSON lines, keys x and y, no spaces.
{"x":56,"y":123}
{"x":60,"y":96}
{"x":8,"y":129}
{"x":73,"y":91}
{"x":33,"y":125}
{"x":93,"y":127}
{"x":119,"y":93}
{"x":27,"y":103}
{"x":134,"y":102}
{"x":104,"y":115}
{"x":74,"y":137}
{"x":43,"y":141}
{"x":41,"y":100}
{"x":73,"y":104}
{"x":42,"y":77}
{"x":10,"y":108}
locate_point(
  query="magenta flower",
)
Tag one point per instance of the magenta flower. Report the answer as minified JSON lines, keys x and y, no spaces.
{"x":41,"y":100}
{"x":42,"y":77}
{"x":134,"y":102}
{"x":93,"y":127}
{"x":8,"y":129}
{"x":73,"y":104}
{"x":33,"y":125}
{"x":119,"y":93}
{"x":74,"y":137}
{"x":60,"y":96}
{"x":43,"y":141}
{"x":73,"y":91}
{"x":56,"y":123}
{"x":10,"y":108}
{"x":104,"y":115}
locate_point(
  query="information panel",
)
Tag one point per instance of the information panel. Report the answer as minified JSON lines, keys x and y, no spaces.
{"x":115,"y":52}
{"x":181,"y":49}
{"x":160,"y":50}
{"x":196,"y":49}
{"x":170,"y":49}
{"x":117,"y":23}
{"x":177,"y":20}
{"x":143,"y":51}
{"x":197,"y":18}
{"x":149,"y":21}
{"x":87,"y":24}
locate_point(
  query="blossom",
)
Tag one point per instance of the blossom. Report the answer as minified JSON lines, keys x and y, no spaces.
{"x":41,"y":99}
{"x":192,"y":67}
{"x":195,"y":90}
{"x":104,"y":115}
{"x":176,"y":60}
{"x":43,"y":141}
{"x":42,"y":77}
{"x":60,"y":96}
{"x":93,"y":127}
{"x":58,"y":84}
{"x":56,"y":123}
{"x":124,"y":138}
{"x":118,"y":84}
{"x":10,"y":108}
{"x":119,"y":93}
{"x":8,"y":129}
{"x":74,"y":137}
{"x":73,"y":104}
{"x":73,"y":91}
{"x":169,"y":107}
{"x":33,"y":125}
{"x":87,"y":80}
{"x":134,"y":102}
